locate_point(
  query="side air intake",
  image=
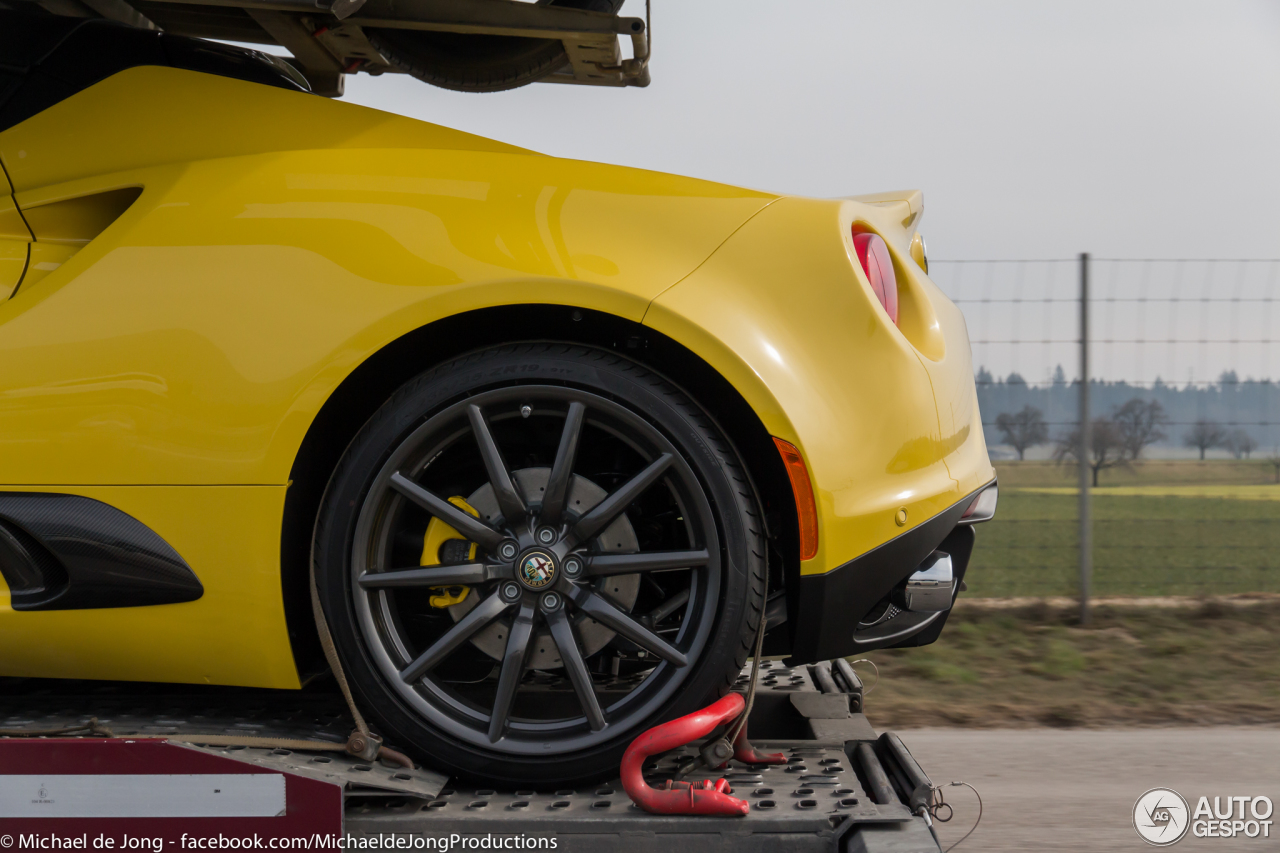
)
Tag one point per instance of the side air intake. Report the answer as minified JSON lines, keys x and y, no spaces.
{"x":35,"y":577}
{"x":68,"y":552}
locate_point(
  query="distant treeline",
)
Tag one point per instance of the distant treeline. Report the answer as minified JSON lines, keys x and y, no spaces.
{"x":1252,"y":405}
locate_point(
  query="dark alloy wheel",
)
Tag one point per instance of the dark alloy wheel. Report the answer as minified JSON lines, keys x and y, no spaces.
{"x":531,"y":555}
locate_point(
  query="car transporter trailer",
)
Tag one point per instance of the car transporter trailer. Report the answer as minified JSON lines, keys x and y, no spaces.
{"x":842,"y":788}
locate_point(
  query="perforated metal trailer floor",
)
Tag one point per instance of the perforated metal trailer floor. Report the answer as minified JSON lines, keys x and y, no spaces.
{"x":834,"y":794}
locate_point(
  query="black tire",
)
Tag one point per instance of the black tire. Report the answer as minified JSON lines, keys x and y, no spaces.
{"x":476,"y":63}
{"x":629,"y":418}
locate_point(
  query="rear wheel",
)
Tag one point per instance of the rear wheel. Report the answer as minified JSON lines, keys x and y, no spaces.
{"x":532,"y":554}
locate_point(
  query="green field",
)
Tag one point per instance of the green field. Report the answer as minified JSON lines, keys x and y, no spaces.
{"x":1161,"y":528}
{"x":1164,"y":528}
{"x":1156,"y":472}
{"x":1199,"y":664}
{"x":1268,"y":492}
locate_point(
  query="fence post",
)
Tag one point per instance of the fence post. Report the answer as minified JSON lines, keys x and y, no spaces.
{"x":1086,"y":516}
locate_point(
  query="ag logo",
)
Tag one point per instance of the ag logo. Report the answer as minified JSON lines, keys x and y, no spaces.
{"x":1161,"y":816}
{"x":537,"y":570}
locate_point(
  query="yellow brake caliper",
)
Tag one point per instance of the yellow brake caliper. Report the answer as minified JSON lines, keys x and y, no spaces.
{"x":438,"y":533}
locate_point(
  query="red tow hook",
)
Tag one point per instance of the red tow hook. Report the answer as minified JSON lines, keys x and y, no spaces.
{"x":704,"y":798}
{"x":700,"y":798}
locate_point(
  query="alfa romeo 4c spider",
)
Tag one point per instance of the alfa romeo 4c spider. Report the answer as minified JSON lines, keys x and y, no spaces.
{"x":553,"y":440}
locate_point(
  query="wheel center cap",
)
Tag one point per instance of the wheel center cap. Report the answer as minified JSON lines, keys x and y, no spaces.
{"x":536,"y":568}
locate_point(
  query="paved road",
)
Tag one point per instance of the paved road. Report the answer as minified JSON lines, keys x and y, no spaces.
{"x":1074,"y":790}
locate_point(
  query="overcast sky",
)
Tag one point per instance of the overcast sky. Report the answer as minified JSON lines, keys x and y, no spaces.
{"x":1036,"y":130}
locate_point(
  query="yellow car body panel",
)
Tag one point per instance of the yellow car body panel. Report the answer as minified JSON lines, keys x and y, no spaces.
{"x":234,"y":634}
{"x":195,"y":339}
{"x":172,"y":364}
{"x":15,"y":241}
{"x":115,"y":126}
{"x":863,"y":406}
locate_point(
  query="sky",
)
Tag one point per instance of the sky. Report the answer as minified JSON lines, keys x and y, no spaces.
{"x":1127,"y":129}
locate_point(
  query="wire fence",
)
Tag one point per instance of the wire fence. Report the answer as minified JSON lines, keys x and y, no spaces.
{"x":1181,"y":486}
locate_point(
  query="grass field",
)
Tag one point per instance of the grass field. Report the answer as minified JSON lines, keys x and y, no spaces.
{"x":1249,"y":492}
{"x":1162,"y":528}
{"x":1154,"y":472}
{"x":1202,"y":664}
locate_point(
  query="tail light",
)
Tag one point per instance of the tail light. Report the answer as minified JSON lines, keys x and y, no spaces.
{"x":873,"y":254}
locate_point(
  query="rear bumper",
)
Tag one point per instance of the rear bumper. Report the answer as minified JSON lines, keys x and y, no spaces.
{"x":828,"y":607}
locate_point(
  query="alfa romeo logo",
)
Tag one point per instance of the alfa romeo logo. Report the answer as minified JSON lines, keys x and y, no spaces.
{"x":537,"y":570}
{"x":1161,"y":816}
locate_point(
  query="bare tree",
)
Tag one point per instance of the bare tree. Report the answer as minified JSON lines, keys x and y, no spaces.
{"x":1024,"y":429}
{"x":1204,"y":435}
{"x":1107,"y":450}
{"x":1139,"y":422}
{"x":1241,"y":444}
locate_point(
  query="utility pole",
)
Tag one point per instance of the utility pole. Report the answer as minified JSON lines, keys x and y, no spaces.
{"x":1085,"y":449}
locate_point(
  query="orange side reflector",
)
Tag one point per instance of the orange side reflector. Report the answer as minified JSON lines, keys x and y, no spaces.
{"x":806,"y":509}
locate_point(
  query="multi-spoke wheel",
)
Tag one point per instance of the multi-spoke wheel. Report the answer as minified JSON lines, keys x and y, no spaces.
{"x":534,"y":553}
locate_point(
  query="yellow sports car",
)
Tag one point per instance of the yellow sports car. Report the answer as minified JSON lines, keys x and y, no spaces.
{"x":555,"y":438}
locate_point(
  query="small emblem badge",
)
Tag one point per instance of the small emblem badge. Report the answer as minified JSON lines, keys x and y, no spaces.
{"x":537,"y":570}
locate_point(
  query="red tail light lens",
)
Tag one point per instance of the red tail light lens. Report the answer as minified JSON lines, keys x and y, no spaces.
{"x":876,"y":263}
